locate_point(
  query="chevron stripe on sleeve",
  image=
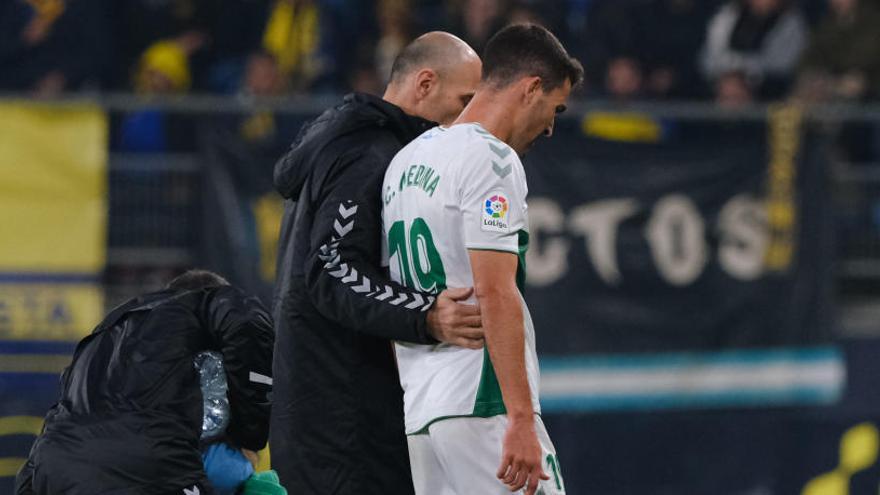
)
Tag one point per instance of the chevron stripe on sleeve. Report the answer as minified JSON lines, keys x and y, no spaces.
{"x":337,"y":268}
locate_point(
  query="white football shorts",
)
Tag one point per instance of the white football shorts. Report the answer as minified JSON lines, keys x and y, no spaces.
{"x":460,"y":456}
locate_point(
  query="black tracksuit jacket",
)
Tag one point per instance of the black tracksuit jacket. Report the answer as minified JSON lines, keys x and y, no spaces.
{"x":337,"y":418}
{"x":130,"y":413}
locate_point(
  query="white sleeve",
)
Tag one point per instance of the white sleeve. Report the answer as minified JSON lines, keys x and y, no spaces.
{"x":716,"y":57}
{"x":493,"y":200}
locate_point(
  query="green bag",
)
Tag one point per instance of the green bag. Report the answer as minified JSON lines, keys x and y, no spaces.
{"x":264,"y":483}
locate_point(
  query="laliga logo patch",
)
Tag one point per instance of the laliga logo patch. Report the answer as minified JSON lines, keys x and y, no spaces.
{"x":495,"y":214}
{"x":496,"y":206}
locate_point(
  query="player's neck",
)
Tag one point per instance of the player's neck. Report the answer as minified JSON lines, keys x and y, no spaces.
{"x":493,"y":114}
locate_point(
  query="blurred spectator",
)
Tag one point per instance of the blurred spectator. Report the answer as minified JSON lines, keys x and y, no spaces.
{"x":475,"y":20}
{"x":365,"y":79}
{"x":523,"y":12}
{"x":842,"y":64}
{"x":348,"y":32}
{"x":163,"y":69}
{"x":262,"y":79}
{"x":240,"y":150}
{"x":645,"y":48}
{"x":255,"y":133}
{"x":262,"y":76}
{"x":141,"y":23}
{"x":395,"y":21}
{"x":670,"y":33}
{"x":732,"y":90}
{"x":400,"y":20}
{"x":624,"y":79}
{"x":624,"y":82}
{"x":752,"y":49}
{"x":235,"y":29}
{"x":609,"y":49}
{"x":843,"y":59}
{"x":292,"y":37}
{"x":617,"y":61}
{"x":228,"y":32}
{"x":50,"y":46}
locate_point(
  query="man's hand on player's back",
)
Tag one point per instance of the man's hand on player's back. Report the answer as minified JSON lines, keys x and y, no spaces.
{"x":454,"y":322}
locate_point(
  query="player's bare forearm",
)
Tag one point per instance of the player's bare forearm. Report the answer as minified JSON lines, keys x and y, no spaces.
{"x":502,"y":317}
{"x":506,"y":343}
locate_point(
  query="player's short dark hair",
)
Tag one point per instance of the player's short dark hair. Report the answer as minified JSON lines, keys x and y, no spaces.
{"x":196,"y":279}
{"x":524,"y":50}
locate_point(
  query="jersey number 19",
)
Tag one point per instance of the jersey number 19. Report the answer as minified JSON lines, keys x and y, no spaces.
{"x":419,"y":256}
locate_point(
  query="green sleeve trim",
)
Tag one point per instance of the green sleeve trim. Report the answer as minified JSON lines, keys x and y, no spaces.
{"x":424,"y":429}
{"x":523,"y":241}
{"x":494,"y":249}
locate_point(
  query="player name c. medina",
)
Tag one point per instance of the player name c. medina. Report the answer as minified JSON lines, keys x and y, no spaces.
{"x":420,"y":176}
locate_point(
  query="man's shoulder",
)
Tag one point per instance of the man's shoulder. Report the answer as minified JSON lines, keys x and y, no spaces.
{"x":366,"y":149}
{"x":344,"y":128}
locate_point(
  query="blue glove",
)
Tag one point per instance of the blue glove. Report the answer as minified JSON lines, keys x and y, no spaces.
{"x":227,"y":468}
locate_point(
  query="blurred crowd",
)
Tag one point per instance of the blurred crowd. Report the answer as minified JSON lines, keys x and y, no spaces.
{"x":730,"y":51}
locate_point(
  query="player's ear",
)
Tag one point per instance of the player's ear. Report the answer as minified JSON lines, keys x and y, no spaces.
{"x":532,"y":87}
{"x":425,"y":81}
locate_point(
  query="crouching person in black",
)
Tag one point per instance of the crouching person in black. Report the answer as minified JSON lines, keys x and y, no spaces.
{"x":129,"y":418}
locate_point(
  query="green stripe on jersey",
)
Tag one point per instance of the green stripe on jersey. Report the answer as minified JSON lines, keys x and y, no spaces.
{"x":521,"y":267}
{"x":489,"y":401}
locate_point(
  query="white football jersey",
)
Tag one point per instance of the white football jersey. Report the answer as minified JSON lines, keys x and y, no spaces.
{"x":450,"y":190}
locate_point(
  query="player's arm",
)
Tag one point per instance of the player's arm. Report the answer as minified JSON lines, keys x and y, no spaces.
{"x":493,"y":207}
{"x":346,"y":282}
{"x":242,"y":331}
{"x":495,"y":286}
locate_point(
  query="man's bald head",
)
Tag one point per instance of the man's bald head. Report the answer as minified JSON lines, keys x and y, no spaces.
{"x":436,"y":50}
{"x":434,"y":77}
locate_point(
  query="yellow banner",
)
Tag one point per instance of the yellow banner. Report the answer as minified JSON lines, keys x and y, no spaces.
{"x":53,"y":188}
{"x":53,"y":199}
{"x":268,"y":212}
{"x":17,"y":425}
{"x":62,"y":311}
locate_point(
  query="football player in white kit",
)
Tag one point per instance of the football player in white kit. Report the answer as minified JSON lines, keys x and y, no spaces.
{"x":454,"y":215}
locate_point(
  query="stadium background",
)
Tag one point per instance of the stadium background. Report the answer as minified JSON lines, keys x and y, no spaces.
{"x":705,"y":237}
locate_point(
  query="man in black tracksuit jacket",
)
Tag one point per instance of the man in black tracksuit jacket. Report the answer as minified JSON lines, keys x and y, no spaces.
{"x":337,"y":418}
{"x":130,"y":413}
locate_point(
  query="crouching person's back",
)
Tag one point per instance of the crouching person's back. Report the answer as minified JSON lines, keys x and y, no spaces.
{"x":129,"y":418}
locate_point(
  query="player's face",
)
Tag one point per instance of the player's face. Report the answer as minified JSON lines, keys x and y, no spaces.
{"x":454,"y":91}
{"x":541,"y":116}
